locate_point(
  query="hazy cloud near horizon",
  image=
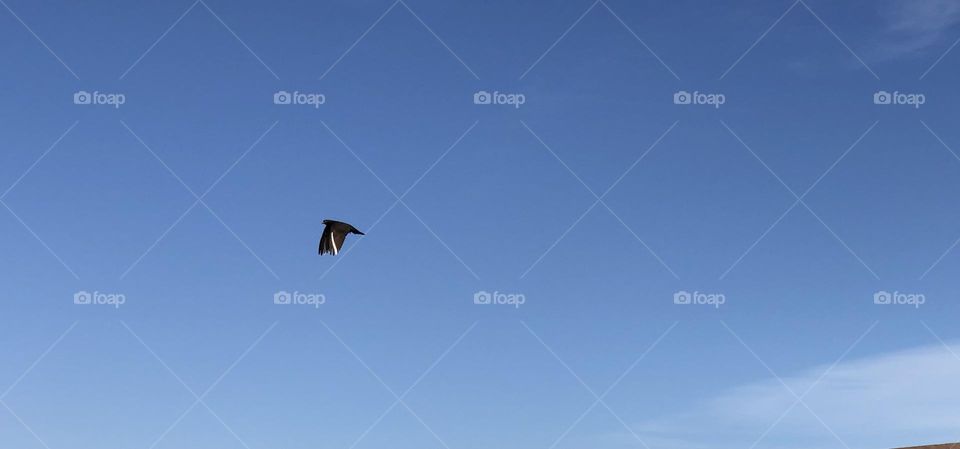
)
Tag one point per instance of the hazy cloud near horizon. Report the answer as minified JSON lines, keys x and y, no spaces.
{"x":875,"y":402}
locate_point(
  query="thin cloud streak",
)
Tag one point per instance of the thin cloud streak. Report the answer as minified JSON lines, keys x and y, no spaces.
{"x":913,"y":28}
{"x":894,"y":399}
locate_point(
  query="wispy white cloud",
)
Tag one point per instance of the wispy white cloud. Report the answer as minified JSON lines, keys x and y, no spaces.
{"x":914,"y":26}
{"x":922,"y":16}
{"x":898,"y":399}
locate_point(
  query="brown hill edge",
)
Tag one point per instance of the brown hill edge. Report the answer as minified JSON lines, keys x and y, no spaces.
{"x":934,"y":446}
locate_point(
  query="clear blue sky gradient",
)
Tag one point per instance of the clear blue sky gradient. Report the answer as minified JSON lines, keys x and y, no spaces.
{"x":500,"y":203}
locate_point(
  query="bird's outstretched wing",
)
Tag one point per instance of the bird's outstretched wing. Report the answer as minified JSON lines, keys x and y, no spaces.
{"x":334,"y":235}
{"x":328,"y":243}
{"x":337,"y":238}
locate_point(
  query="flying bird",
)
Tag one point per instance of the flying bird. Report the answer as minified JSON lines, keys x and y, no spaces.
{"x":334,"y":233}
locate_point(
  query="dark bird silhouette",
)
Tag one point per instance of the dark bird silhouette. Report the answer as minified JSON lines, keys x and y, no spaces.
{"x":334,"y":233}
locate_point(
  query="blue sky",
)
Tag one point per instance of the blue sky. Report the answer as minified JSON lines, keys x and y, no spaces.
{"x":598,"y":201}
